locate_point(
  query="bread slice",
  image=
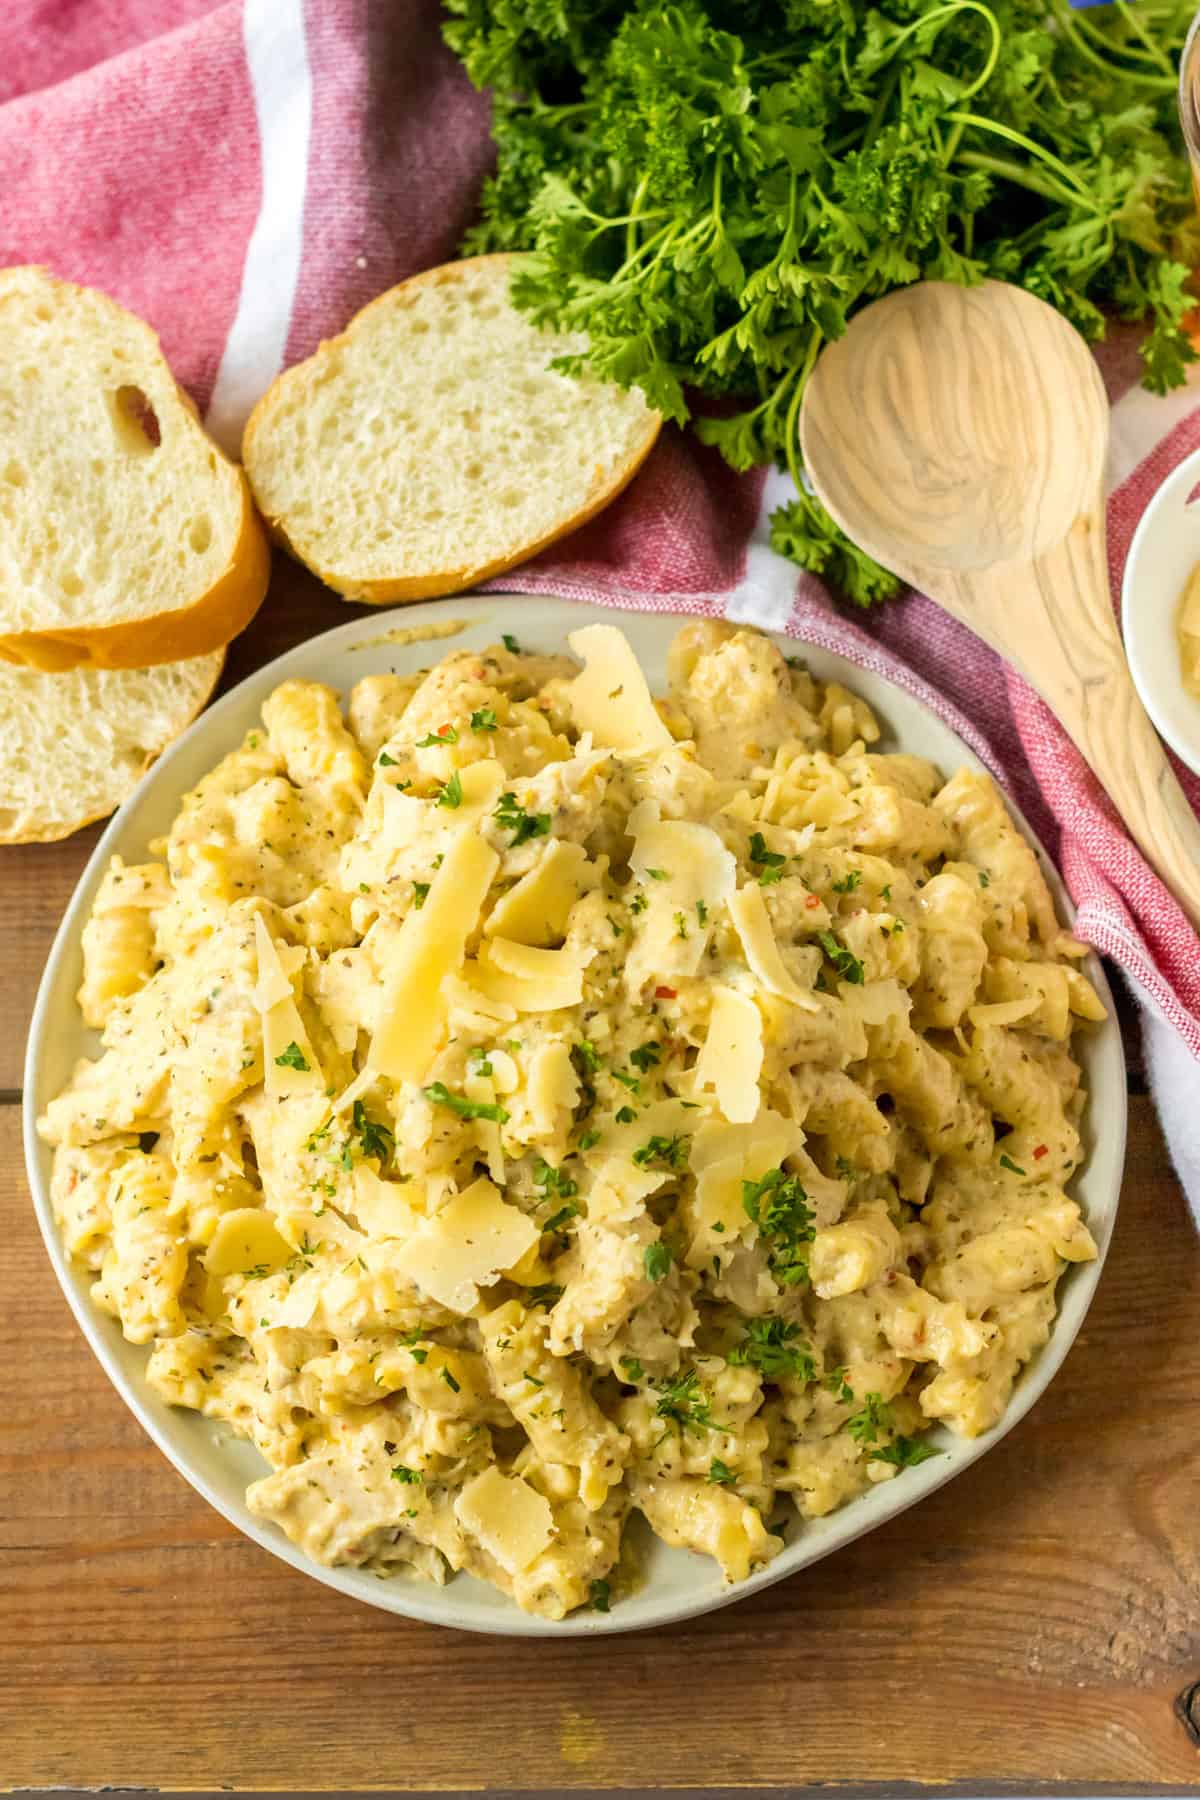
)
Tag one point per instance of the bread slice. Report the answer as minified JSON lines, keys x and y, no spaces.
{"x":74,"y":745}
{"x":126,"y":537}
{"x":430,"y":446}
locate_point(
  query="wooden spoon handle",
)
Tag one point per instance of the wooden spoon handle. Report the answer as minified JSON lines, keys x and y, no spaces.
{"x":1058,"y":613}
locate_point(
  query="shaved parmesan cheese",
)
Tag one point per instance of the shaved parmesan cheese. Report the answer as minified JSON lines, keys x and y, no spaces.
{"x":748,"y":910}
{"x":277,"y":963}
{"x":357,"y":1088}
{"x":531,"y":979}
{"x":553,"y":1086}
{"x":722,"y":1158}
{"x":759,"y":1146}
{"x":511,"y":1520}
{"x":466,"y":1246}
{"x":284,"y":1037}
{"x":407,"y":819}
{"x":428,"y":947}
{"x":385,"y":1209}
{"x":610,"y":698}
{"x":246,"y":1239}
{"x":621,"y":1186}
{"x":684,"y":871}
{"x":536,"y":910}
{"x":732,"y":1057}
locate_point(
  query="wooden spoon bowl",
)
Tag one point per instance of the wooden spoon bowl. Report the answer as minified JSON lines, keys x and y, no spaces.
{"x":959,"y":436}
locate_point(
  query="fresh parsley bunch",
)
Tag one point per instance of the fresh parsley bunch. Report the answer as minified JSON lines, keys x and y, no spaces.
{"x":711,"y":188}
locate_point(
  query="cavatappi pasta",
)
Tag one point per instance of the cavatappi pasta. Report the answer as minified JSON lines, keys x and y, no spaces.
{"x":527,"y":1101}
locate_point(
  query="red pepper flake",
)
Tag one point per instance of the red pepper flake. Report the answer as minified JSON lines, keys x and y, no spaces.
{"x":445,"y":730}
{"x":1042,"y":1150}
{"x":665,"y":993}
{"x":813,"y":901}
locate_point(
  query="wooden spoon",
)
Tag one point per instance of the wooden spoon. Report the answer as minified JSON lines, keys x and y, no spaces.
{"x":959,"y":435}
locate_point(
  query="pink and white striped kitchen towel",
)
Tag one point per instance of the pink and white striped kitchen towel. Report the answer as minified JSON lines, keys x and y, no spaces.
{"x":247,"y":174}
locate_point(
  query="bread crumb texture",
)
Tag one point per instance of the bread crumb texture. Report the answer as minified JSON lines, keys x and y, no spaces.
{"x":114,"y":503}
{"x":433,"y":443}
{"x":74,"y":745}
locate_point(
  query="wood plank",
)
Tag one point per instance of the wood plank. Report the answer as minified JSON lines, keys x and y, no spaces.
{"x":1034,"y":1621}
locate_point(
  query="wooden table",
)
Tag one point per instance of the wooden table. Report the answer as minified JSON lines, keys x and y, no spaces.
{"x":1036,"y":1622}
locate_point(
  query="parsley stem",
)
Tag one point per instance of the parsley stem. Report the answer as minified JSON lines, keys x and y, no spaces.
{"x":1066,"y":19}
{"x":790,"y":433}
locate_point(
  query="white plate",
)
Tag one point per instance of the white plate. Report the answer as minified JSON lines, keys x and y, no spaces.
{"x":1164,"y":551}
{"x":677,"y":1584}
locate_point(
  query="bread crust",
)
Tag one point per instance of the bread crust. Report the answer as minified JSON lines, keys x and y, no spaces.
{"x":55,"y":833}
{"x":196,"y":630}
{"x":435,"y":582}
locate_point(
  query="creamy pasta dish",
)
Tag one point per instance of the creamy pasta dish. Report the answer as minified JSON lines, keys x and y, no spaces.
{"x":523,"y":1101}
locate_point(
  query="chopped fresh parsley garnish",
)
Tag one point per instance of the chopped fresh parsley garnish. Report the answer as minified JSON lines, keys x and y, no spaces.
{"x":445,"y":734}
{"x":849,"y":881}
{"x":886,"y":893}
{"x":845,"y":1169}
{"x":484,"y":719}
{"x":292,"y":1058}
{"x":451,"y":794}
{"x":774,"y":1348}
{"x":1006,"y":1162}
{"x":454,"y":1386}
{"x":681,"y":929}
{"x":522,"y":824}
{"x":873,"y":1418}
{"x":712,"y":190}
{"x":585,"y":1055}
{"x":839,"y":1387}
{"x":779,"y":1207}
{"x":600,"y":1596}
{"x":546,"y":1293}
{"x":646,"y":1056}
{"x":510,"y":644}
{"x":373,"y":1139}
{"x":587,"y":1139}
{"x":440,"y":1095}
{"x":408,"y":1476}
{"x":843,"y":960}
{"x":672,"y":1151}
{"x":768,"y":860}
{"x":658,"y":874}
{"x":533,"y":1380}
{"x":720,"y":1474}
{"x":904,"y":1452}
{"x":420,"y":893}
{"x":638,"y":904}
{"x":569,"y":1211}
{"x":629,"y":1081}
{"x":625,"y":1115}
{"x":702,"y":911}
{"x":657,"y":1259}
{"x":386,"y":761}
{"x":632,"y":1369}
{"x":985,"y":879}
{"x":553,"y":1181}
{"x":685,"y":1403}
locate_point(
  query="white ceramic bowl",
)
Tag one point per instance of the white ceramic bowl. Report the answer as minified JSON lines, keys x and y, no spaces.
{"x":1164,"y":551}
{"x":218,"y":1465}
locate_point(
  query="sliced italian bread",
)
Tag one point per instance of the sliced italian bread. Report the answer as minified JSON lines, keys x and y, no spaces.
{"x":430,"y":445}
{"x":126,"y":537}
{"x":74,"y":745}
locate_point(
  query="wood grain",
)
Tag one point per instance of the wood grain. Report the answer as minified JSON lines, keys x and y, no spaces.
{"x":958,"y":435}
{"x":1035,"y":1621}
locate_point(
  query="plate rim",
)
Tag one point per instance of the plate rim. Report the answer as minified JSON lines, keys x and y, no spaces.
{"x":1140,"y":625}
{"x":427,"y":1602}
